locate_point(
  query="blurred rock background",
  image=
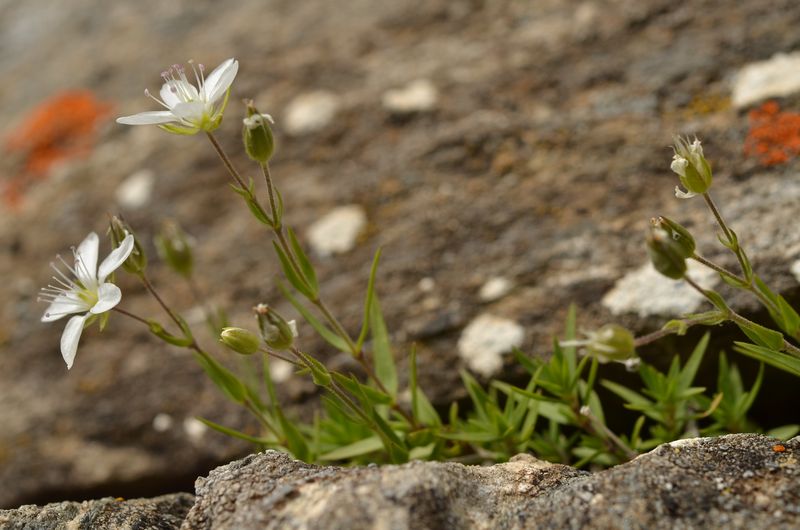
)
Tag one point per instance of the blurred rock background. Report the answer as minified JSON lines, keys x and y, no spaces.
{"x":507,"y":156}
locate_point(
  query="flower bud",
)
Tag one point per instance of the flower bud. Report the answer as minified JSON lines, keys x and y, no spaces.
{"x":612,"y":342}
{"x":667,"y":255}
{"x":257,"y":135}
{"x":240,"y":340}
{"x":137,"y":260}
{"x":275,"y":330}
{"x":691,"y":167}
{"x":175,"y":249}
{"x":679,"y":234}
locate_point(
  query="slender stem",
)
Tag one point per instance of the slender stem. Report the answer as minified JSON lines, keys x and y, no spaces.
{"x":226,"y":161}
{"x":131,"y":315}
{"x":654,"y":336}
{"x":260,"y":416}
{"x":149,"y":287}
{"x":738,"y":250}
{"x":718,"y":268}
{"x":270,"y":189}
{"x":279,"y":356}
{"x":596,"y":425}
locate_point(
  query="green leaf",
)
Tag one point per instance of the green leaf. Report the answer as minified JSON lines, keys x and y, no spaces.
{"x":478,"y":395}
{"x":159,"y":331}
{"x":780,"y":360}
{"x":421,"y":407}
{"x":511,"y":389}
{"x":531,"y":365}
{"x":258,"y":211}
{"x":762,"y":336}
{"x":306,"y":267}
{"x":716,"y":299}
{"x":319,"y":373}
{"x":330,"y":337}
{"x":295,"y":441}
{"x":784,"y":432}
{"x":291,"y":275}
{"x":352,"y":385}
{"x":632,"y":397}
{"x":750,"y":396}
{"x":238,"y":434}
{"x":791,"y":320}
{"x":470,"y":436}
{"x":350,"y":451}
{"x":689,"y":371}
{"x":385,"y":368}
{"x":222,"y":377}
{"x":570,"y":332}
{"x":368,"y":300}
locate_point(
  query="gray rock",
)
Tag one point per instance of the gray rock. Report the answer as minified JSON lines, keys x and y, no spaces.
{"x":736,"y":481}
{"x":160,"y":513}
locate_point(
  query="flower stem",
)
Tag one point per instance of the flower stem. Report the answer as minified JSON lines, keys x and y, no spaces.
{"x":226,"y":161}
{"x":731,"y":238}
{"x":152,"y":290}
{"x":654,"y":336}
{"x":131,"y":315}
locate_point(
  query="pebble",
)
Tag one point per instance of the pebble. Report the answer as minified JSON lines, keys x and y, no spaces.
{"x":136,"y":190}
{"x":484,"y":341}
{"x":776,"y":77}
{"x":646,"y":292}
{"x":311,"y":112}
{"x":796,"y":269}
{"x":194,"y":429}
{"x":337,"y":231}
{"x":417,"y":96}
{"x":162,"y":422}
{"x":280,"y":371}
{"x":495,"y":288}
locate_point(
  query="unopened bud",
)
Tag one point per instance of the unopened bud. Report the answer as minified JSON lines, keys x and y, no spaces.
{"x":612,"y":342}
{"x":240,"y":340}
{"x":691,"y":167}
{"x":175,"y":248}
{"x":257,"y":135}
{"x":118,"y":230}
{"x":679,"y":234}
{"x":667,"y":255}
{"x":275,"y":330}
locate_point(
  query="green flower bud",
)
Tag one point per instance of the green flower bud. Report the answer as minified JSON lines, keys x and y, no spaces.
{"x":691,"y":167}
{"x":117,"y":230}
{"x":257,"y":135}
{"x":685,"y":241}
{"x":275,"y":330}
{"x":667,"y":255}
{"x":612,"y":342}
{"x":240,"y":340}
{"x":175,"y":249}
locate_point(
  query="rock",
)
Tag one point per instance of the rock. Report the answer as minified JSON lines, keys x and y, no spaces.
{"x":646,"y":292}
{"x":484,"y":341}
{"x":160,"y":513}
{"x":740,"y":481}
{"x":796,"y":269}
{"x":311,"y":112}
{"x":417,"y":96}
{"x":337,"y":231}
{"x":135,"y":191}
{"x":495,"y":288}
{"x":778,"y":76}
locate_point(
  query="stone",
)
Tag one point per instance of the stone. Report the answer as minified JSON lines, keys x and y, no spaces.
{"x":646,"y":292}
{"x":484,"y":341}
{"x":796,"y":269}
{"x":160,"y":513}
{"x":495,"y":288}
{"x":732,"y":482}
{"x":778,"y":76}
{"x":136,"y":190}
{"x":338,"y":230}
{"x":417,"y":96}
{"x":311,"y":112}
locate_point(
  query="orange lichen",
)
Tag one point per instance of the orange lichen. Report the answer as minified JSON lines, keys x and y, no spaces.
{"x":774,"y":136}
{"x":58,"y":129}
{"x":778,"y":448}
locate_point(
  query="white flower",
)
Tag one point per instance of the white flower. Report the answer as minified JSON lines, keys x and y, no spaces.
{"x":257,"y":120}
{"x":190,"y":109}
{"x":85,"y":290}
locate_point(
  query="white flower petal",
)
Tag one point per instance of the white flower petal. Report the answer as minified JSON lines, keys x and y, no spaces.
{"x":62,"y":306}
{"x":148,"y":118}
{"x":679,"y":193}
{"x":220,"y":80}
{"x":71,"y":337}
{"x":108,"y":295}
{"x":86,"y":259}
{"x":116,"y":258}
{"x":191,"y":112}
{"x":168,"y":96}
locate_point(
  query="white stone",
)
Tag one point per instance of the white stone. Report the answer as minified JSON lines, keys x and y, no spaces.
{"x":162,"y":422}
{"x":427,"y":284}
{"x":280,"y":370}
{"x":484,"y":341}
{"x":311,"y":112}
{"x":417,"y":96}
{"x":337,"y":231}
{"x":136,"y":190}
{"x":648,"y":293}
{"x":796,"y":269}
{"x":776,"y":77}
{"x":495,"y":288}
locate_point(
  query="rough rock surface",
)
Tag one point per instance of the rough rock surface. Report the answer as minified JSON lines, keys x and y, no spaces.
{"x":541,"y":161}
{"x":730,"y":482}
{"x":161,"y":513}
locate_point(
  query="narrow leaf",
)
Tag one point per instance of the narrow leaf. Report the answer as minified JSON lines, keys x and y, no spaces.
{"x":307,"y":268}
{"x":330,"y":337}
{"x":385,"y":368}
{"x":291,"y":275}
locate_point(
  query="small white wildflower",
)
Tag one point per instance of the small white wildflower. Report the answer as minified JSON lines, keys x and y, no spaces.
{"x":190,"y":109}
{"x":84,"y":290}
